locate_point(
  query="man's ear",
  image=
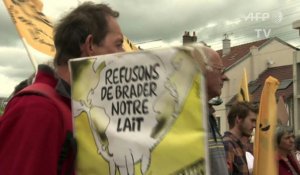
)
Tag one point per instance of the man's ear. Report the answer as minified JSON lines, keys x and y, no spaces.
{"x":238,"y":119}
{"x":87,"y":46}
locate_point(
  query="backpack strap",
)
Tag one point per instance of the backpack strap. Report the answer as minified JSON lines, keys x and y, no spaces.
{"x":49,"y":92}
{"x":69,"y":145}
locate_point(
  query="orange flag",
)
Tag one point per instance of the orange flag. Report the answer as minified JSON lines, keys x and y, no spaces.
{"x":243,"y":94}
{"x":264,"y":150}
{"x":36,"y":29}
{"x":32,"y":25}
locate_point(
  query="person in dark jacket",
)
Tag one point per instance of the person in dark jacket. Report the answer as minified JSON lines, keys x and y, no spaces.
{"x":32,"y":126}
{"x":297,"y":148}
{"x":285,"y":140}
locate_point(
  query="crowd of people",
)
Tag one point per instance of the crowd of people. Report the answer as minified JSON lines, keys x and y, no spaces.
{"x":31,"y":121}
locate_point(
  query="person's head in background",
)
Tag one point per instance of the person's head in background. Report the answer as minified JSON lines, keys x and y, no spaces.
{"x":242,"y":118}
{"x":285,"y":139}
{"x":214,"y":74}
{"x":89,"y":30}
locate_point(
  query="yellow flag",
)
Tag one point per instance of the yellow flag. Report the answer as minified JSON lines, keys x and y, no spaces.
{"x":129,"y":46}
{"x":264,"y":151}
{"x":36,"y":28}
{"x":243,"y":94}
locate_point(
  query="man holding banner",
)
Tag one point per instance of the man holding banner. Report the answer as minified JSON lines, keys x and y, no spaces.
{"x":36,"y":128}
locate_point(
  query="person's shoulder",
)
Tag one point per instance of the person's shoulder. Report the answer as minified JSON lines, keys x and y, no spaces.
{"x":33,"y":104}
{"x":228,"y":141}
{"x":32,"y":111}
{"x":227,"y":136}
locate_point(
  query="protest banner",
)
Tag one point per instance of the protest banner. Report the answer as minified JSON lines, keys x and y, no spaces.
{"x":140,"y":113}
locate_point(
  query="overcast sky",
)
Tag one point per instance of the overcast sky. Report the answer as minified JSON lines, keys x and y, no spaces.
{"x":161,"y":23}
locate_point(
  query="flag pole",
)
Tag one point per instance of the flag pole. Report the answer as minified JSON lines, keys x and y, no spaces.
{"x":32,"y":59}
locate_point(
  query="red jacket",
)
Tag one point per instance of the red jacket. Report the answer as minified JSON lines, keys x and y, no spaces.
{"x":31,"y":134}
{"x":284,"y":168}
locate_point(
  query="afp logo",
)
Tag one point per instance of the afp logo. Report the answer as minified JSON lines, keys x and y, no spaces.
{"x":275,"y":17}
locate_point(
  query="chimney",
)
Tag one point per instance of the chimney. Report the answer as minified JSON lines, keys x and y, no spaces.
{"x":226,"y":46}
{"x":187,"y":39}
{"x":254,"y":63}
{"x":253,"y":50}
{"x":194,"y":37}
